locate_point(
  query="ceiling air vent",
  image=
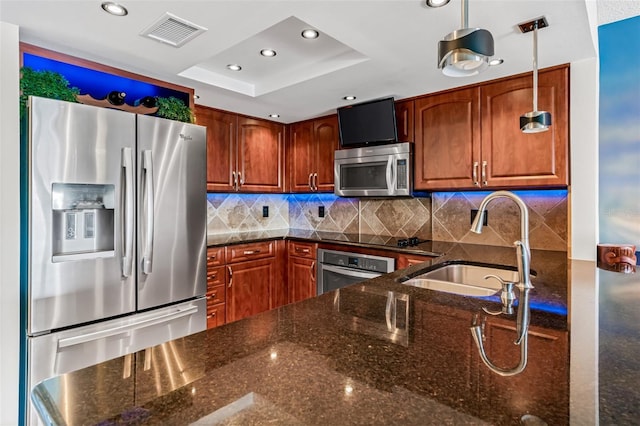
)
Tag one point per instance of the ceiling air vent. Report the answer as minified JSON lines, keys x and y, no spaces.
{"x":172,"y":30}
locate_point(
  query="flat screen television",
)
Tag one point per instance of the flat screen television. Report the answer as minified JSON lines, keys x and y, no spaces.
{"x":368,"y":123}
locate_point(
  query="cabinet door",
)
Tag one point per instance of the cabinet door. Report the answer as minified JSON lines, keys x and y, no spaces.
{"x":260,"y":155}
{"x":301,"y":154}
{"x":302,"y":278}
{"x":221,"y":147}
{"x":447,"y":145}
{"x":325,"y":132}
{"x":404,"y":121}
{"x":518,"y":159}
{"x":248,"y":288}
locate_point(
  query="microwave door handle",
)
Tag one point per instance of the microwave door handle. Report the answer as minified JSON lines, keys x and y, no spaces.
{"x":126,"y":160}
{"x":390,"y":176}
{"x":147,"y":254}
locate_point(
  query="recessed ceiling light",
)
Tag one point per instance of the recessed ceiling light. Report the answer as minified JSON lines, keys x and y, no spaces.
{"x":349,"y":98}
{"x":274,"y":115}
{"x":234,"y":67}
{"x":268,"y":52}
{"x":436,"y":3}
{"x":114,"y":8}
{"x":496,"y":61}
{"x":310,"y":34}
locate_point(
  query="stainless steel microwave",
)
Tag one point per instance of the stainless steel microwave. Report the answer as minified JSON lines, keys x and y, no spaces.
{"x":377,"y":171}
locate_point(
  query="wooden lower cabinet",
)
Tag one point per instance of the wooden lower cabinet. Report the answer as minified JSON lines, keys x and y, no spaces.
{"x":255,"y":278}
{"x":248,"y":288}
{"x":301,"y":277}
{"x":216,"y":287}
{"x":406,"y":260}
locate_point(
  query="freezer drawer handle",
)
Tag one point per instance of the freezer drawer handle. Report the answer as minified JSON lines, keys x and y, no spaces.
{"x":147,"y":254}
{"x":89,"y":337}
{"x":127,"y":200}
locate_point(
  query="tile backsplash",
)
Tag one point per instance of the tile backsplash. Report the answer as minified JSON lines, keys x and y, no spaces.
{"x":445,"y":217}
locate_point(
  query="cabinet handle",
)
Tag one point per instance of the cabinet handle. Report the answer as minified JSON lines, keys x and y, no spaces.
{"x":301,"y":250}
{"x":310,"y":184}
{"x":211,"y":257}
{"x":484,"y":173}
{"x":250,"y":252}
{"x":211,"y":315}
{"x":212,"y":276}
{"x":315,"y":182}
{"x":475,"y":174}
{"x":311,"y":270}
{"x":240,"y":180}
{"x":230,"y":275}
{"x":235,"y":181}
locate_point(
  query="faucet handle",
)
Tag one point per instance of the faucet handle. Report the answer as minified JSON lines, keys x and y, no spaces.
{"x":507,"y":296}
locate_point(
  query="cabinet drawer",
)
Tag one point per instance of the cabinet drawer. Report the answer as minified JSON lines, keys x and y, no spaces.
{"x":215,"y":256}
{"x":215,"y":315}
{"x":302,"y":249}
{"x":215,"y":276}
{"x":252,"y":251}
{"x":215,"y":295}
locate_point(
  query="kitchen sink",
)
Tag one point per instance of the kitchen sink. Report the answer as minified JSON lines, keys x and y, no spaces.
{"x":464,"y":279}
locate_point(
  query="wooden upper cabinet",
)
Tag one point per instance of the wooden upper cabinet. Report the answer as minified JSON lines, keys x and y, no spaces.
{"x":404,"y":120}
{"x":470,"y":138}
{"x":520,"y":159}
{"x":447,"y":140}
{"x":260,"y":155}
{"x":243,"y":154}
{"x":311,"y":153}
{"x":325,"y":132}
{"x":300,"y":156}
{"x":221,"y":147}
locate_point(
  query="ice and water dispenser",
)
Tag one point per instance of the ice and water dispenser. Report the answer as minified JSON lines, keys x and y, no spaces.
{"x":83,"y":221}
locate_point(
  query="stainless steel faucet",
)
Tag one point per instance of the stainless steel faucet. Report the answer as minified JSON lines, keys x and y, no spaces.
{"x":522,"y":245}
{"x":524,"y":285}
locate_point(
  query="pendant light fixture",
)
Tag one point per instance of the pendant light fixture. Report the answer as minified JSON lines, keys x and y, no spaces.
{"x":535,"y":121}
{"x":465,"y":52}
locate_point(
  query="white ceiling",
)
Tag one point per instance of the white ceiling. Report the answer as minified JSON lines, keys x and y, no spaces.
{"x":369,"y":49}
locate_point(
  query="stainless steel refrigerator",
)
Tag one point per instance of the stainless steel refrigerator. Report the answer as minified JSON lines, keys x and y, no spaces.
{"x":116,"y":211}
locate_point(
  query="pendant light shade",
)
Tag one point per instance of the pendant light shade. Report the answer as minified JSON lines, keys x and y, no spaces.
{"x":467,"y":51}
{"x":535,"y":121}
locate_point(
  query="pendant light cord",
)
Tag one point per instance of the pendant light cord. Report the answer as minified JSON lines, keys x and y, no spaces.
{"x":465,"y":14}
{"x":535,"y":66}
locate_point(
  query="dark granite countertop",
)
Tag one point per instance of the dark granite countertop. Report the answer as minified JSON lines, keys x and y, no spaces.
{"x":333,"y":360}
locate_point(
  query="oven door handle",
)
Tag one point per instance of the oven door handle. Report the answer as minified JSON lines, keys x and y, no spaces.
{"x":349,"y":271}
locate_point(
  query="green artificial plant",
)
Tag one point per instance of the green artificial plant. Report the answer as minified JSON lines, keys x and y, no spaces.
{"x":174,"y":109}
{"x":46,"y":84}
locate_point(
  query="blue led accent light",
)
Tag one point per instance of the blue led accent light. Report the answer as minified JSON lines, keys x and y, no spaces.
{"x":98,"y":83}
{"x":544,"y":193}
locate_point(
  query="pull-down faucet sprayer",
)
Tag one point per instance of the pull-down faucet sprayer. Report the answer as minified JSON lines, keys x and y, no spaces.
{"x":524,"y":285}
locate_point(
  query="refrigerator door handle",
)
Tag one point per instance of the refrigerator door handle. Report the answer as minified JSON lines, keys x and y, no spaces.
{"x":128,"y":209}
{"x":147,"y":169}
{"x":127,"y":328}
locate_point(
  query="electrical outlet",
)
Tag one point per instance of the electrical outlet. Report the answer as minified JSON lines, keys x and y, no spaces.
{"x":265,"y":211}
{"x":320,"y":211}
{"x":485,"y":218}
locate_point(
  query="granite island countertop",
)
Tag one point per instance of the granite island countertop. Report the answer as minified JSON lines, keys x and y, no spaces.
{"x":332,"y":359}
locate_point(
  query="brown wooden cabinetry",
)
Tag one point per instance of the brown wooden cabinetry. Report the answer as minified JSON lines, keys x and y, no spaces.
{"x":243,"y":153}
{"x":312,"y":145}
{"x":301,"y":275}
{"x":254,"y":278}
{"x":404,"y":120}
{"x":406,"y":260}
{"x":470,"y":138}
{"x":216,"y":287}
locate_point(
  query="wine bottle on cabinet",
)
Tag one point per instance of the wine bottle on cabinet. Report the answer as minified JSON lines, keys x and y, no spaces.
{"x":147,"y":101}
{"x":116,"y":98}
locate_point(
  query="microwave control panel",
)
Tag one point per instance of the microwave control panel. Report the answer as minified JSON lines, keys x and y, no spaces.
{"x":402,"y":181}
